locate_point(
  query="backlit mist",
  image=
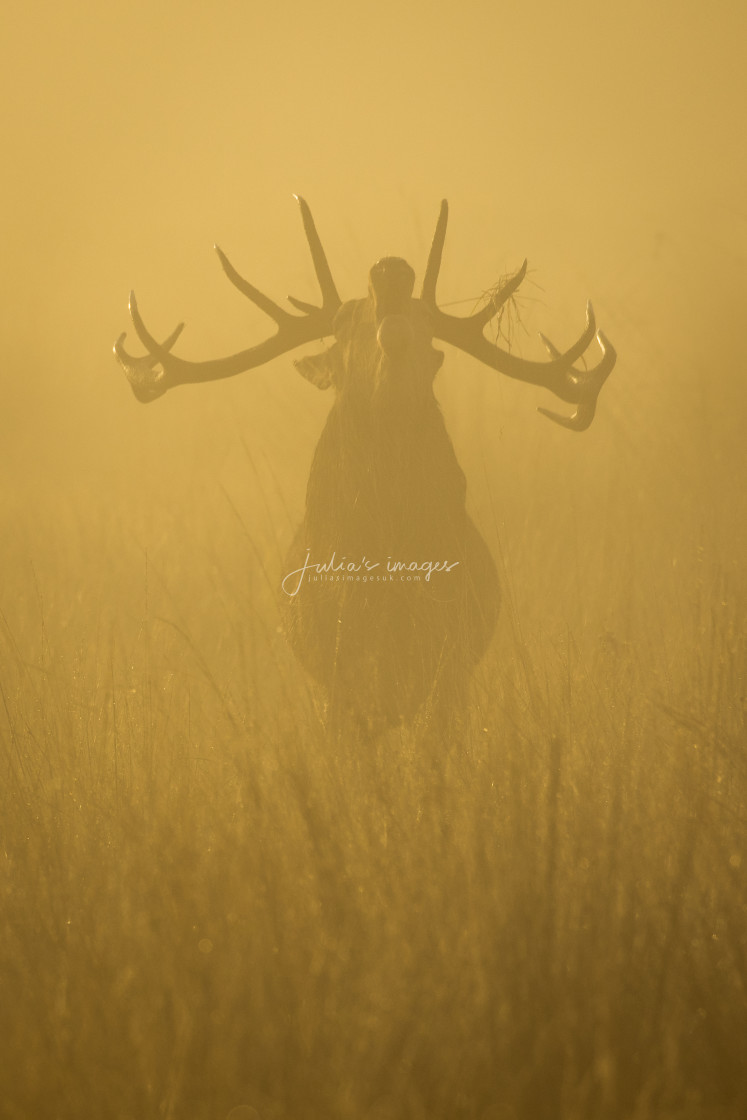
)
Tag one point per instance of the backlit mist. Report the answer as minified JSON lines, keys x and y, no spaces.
{"x":214,"y":908}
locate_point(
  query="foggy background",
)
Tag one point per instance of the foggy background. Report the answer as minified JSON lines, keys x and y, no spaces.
{"x":605,"y":146}
{"x":207,"y":911}
{"x":603,"y":142}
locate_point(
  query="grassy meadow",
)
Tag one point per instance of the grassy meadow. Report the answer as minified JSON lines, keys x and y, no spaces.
{"x":211,"y":911}
{"x":210,"y":907}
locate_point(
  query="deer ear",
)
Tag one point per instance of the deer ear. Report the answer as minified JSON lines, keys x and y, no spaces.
{"x":323,"y":369}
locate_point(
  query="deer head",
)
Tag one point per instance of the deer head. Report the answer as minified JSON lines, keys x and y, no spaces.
{"x":391,"y":319}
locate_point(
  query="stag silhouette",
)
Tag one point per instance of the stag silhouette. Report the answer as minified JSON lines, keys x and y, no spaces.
{"x":391,"y":595}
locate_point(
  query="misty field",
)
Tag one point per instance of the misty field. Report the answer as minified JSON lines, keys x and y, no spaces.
{"x":211,"y":910}
{"x":211,"y":906}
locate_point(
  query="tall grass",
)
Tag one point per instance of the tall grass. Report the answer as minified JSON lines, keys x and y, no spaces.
{"x":211,"y":910}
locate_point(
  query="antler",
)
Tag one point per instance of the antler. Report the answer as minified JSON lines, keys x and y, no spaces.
{"x":159,"y":370}
{"x":577,"y":386}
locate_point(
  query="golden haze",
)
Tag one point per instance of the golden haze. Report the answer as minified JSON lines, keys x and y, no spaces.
{"x":207,"y":910}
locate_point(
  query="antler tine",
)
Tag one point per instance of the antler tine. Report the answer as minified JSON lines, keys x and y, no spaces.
{"x":589,"y":382}
{"x":122,"y":354}
{"x":274,"y":310}
{"x":428,"y":294}
{"x":579,"y":387}
{"x":432,"y":269}
{"x":605,"y":365}
{"x":148,"y":381}
{"x":558,"y":375}
{"x":579,"y":421}
{"x":141,"y":372}
{"x":496,"y":301}
{"x":330,"y":298}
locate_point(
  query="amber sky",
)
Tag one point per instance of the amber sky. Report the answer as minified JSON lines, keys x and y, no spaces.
{"x":606,"y":141}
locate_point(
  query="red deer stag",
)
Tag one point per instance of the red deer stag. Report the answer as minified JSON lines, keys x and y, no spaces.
{"x":391,"y":593}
